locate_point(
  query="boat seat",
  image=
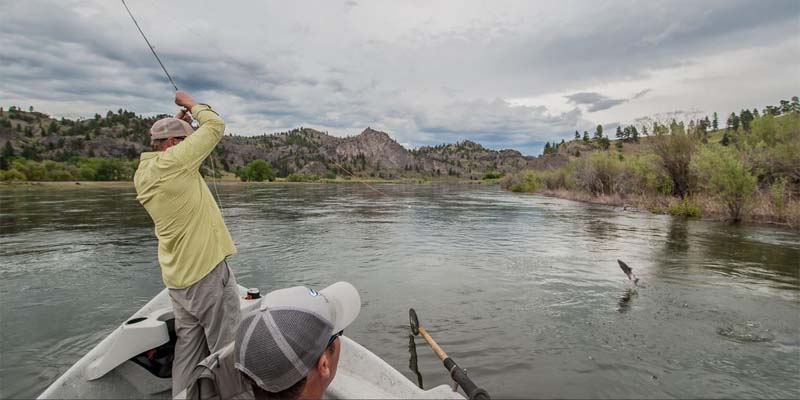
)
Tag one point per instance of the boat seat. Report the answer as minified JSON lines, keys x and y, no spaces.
{"x":134,"y":337}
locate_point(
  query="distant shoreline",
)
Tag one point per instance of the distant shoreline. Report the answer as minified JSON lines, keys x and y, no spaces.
{"x":222,"y":181}
{"x":711,"y":211}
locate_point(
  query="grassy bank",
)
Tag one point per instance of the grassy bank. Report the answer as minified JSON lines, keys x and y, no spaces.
{"x":747,"y":173}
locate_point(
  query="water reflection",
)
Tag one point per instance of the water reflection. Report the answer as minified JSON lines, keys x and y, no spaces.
{"x":677,"y":235}
{"x":412,"y":361}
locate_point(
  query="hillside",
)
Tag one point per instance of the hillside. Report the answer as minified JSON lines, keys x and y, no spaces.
{"x":122,"y":135}
{"x":749,"y":170}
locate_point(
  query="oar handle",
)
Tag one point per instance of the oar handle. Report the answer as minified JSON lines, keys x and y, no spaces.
{"x":472,"y":390}
{"x":435,"y":346}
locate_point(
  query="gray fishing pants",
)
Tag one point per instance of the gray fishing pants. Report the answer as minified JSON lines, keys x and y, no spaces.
{"x":206,"y":319}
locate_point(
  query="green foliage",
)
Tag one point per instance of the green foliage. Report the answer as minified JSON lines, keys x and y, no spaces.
{"x":297,"y":177}
{"x":12,"y":175}
{"x":722,"y":174}
{"x":778,"y":193}
{"x":256,"y":171}
{"x":598,"y":174}
{"x":526,"y":181}
{"x":604,"y":142}
{"x":79,"y":168}
{"x":493,"y":175}
{"x":675,"y":152}
{"x":685,"y":208}
{"x":533,"y":181}
{"x":772,"y":148}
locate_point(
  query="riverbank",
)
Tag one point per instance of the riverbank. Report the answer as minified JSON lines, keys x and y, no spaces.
{"x":236,"y":181}
{"x":762,"y":211}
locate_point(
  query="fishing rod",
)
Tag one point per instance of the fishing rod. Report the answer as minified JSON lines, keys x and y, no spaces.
{"x":150,"y":46}
{"x":213,"y":168}
{"x":172,"y":81}
{"x":459,"y":375}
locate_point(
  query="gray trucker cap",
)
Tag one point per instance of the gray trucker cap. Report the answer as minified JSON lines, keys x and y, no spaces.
{"x":277,"y":345}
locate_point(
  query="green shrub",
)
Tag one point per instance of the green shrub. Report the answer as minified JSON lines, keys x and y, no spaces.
{"x":685,"y":208}
{"x":675,"y":151}
{"x":778,"y":194}
{"x":643,"y":175}
{"x":598,"y":174}
{"x":773,"y":148}
{"x":256,"y":171}
{"x":525,"y":181}
{"x":12,"y":175}
{"x":493,"y":175}
{"x":297,"y":177}
{"x":723,"y":175}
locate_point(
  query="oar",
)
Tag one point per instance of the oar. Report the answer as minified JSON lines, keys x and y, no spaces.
{"x":472,"y":390}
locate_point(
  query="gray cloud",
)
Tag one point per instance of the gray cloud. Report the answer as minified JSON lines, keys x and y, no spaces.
{"x":424,"y":75}
{"x":641,"y":94}
{"x":594,"y":101}
{"x":597,"y":102}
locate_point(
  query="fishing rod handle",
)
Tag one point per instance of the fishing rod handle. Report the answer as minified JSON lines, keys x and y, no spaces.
{"x":472,"y":390}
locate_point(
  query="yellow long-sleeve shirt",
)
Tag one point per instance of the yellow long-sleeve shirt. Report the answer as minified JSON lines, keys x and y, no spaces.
{"x":192,"y":237}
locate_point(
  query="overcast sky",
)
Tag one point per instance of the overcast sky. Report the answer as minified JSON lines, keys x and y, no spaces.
{"x":505,"y":74}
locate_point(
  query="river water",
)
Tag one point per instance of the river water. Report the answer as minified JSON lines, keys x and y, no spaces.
{"x":522,"y":290}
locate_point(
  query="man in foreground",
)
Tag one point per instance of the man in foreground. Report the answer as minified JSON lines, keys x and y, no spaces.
{"x":287,"y":349}
{"x":193,"y":240}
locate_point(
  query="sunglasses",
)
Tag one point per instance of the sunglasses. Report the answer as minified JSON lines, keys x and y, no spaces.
{"x":335,"y":336}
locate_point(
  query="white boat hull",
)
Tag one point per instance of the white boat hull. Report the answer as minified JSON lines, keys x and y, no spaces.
{"x":107,"y":372}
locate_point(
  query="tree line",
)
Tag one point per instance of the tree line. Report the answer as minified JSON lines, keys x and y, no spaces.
{"x":753,"y":162}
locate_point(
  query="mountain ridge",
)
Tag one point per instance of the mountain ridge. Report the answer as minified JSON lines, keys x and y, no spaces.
{"x":123,"y":134}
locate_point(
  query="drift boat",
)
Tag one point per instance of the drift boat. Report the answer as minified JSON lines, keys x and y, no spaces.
{"x":135,"y":362}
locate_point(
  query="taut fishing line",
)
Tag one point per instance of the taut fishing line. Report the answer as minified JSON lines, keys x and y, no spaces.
{"x":172,"y":81}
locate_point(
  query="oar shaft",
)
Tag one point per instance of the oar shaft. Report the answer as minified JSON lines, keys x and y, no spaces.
{"x":436,"y":349}
{"x":472,"y":390}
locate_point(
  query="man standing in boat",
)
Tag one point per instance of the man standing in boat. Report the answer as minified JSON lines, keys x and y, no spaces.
{"x":193,"y":240}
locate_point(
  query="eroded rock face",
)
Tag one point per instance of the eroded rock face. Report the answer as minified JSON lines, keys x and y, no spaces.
{"x":370,"y":153}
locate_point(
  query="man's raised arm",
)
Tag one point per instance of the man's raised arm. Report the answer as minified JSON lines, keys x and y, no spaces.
{"x":197,"y":146}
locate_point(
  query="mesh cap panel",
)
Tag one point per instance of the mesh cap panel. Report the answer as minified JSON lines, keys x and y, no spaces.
{"x":276,"y":348}
{"x":306,"y":334}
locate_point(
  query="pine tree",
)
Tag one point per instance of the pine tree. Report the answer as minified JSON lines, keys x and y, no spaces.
{"x":6,"y":156}
{"x":598,"y":132}
{"x":546,"y":148}
{"x":715,"y":122}
{"x":619,"y":132}
{"x":733,"y":121}
{"x":585,"y":136}
{"x":577,"y":135}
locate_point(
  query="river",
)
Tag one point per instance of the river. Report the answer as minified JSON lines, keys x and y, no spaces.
{"x":522,"y":290}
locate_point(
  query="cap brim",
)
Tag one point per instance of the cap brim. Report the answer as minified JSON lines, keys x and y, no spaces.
{"x":346,"y":302}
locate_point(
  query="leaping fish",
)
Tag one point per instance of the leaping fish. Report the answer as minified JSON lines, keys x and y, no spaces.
{"x":629,"y":272}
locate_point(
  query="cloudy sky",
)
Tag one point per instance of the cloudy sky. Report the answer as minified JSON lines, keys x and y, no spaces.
{"x":503,"y":73}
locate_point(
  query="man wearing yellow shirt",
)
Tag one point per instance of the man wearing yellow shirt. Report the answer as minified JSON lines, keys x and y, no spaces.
{"x":193,"y":240}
